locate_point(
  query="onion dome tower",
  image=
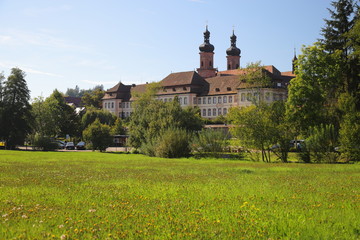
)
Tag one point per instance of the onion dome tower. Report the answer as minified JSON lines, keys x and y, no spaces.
{"x":233,"y":54}
{"x":206,"y":57}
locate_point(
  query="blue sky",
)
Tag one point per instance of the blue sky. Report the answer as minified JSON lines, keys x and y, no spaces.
{"x":64,"y":43}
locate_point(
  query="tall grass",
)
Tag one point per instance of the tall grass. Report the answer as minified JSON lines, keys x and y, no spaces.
{"x":108,"y":196}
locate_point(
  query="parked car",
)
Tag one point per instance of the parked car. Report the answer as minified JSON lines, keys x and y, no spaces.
{"x":61,"y":144}
{"x":70,"y":146}
{"x":80,"y":146}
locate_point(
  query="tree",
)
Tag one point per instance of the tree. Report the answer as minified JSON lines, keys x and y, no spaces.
{"x":254,"y":128}
{"x":63,"y":117}
{"x":312,"y":93}
{"x":340,"y":35}
{"x":350,"y":128}
{"x":255,"y":77}
{"x":93,"y":98}
{"x":336,"y":28}
{"x":91,"y":114}
{"x":283,"y":132}
{"x":98,"y":135}
{"x":152,"y":117}
{"x":118,"y":128}
{"x":16,"y":116}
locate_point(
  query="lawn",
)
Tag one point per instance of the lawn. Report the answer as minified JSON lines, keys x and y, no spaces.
{"x":86,"y":195}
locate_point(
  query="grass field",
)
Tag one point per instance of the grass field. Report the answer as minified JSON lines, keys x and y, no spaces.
{"x":90,"y":195}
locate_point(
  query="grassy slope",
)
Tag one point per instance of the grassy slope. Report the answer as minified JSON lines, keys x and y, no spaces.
{"x":87,"y":195}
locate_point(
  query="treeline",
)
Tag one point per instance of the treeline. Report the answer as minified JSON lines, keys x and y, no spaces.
{"x":322,"y":109}
{"x":44,"y":120}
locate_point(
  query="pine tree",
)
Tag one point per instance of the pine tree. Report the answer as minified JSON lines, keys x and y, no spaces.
{"x":341,"y":22}
{"x":16,"y":117}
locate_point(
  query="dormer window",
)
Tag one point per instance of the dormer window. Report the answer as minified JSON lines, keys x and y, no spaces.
{"x":228,"y":88}
{"x":217,"y":89}
{"x":110,"y":94}
{"x":184,"y":88}
{"x":174,"y":89}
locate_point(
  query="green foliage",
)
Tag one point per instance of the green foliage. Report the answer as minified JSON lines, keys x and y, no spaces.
{"x":118,"y":128}
{"x":321,"y":143}
{"x":61,"y":119}
{"x":173,"y":143}
{"x":254,"y":128}
{"x":93,"y":98}
{"x":15,"y":117}
{"x":105,"y":117}
{"x":42,"y":143}
{"x":152,"y":117}
{"x":255,"y":75}
{"x":210,"y":142}
{"x":349,"y":129}
{"x":77,"y":92}
{"x":313,"y":90}
{"x":98,"y":136}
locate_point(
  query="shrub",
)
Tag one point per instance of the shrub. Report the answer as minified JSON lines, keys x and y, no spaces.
{"x":210,"y":142}
{"x":173,"y":143}
{"x":98,"y":135}
{"x":43,"y":143}
{"x":321,"y":143}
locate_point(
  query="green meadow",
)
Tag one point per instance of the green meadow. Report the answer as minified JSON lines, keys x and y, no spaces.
{"x":91,"y":195}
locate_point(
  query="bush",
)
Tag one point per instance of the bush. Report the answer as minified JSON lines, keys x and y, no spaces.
{"x":98,"y":135}
{"x":210,"y":142}
{"x":321,"y":143}
{"x":173,"y":143}
{"x":43,"y":143}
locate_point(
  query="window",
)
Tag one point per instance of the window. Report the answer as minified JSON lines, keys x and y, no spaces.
{"x":278,"y":84}
{"x":184,"y":88}
{"x":174,"y":89}
{"x":127,"y":105}
{"x":214,"y":112}
{"x":209,"y":100}
{"x":214,"y":100}
{"x":219,"y":99}
{"x":180,"y":101}
{"x":185,"y":100}
{"x":219,"y":111}
{"x":112,"y":105}
{"x":123,"y":105}
{"x":248,"y":96}
{"x":199,"y":100}
{"x":209,"y":112}
{"x":165,"y":100}
{"x":224,"y":99}
{"x":225,"y":111}
{"x":120,"y":115}
{"x":194,"y":100}
{"x":202,"y":63}
{"x":204,"y":112}
{"x":267,"y":96}
{"x":210,"y":63}
{"x":217,"y":89}
{"x":242,"y":97}
{"x":119,"y":105}
{"x":230,"y":99}
{"x":204,"y":100}
{"x":228,"y":88}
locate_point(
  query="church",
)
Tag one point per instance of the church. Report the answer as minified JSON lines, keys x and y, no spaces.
{"x":213,"y":91}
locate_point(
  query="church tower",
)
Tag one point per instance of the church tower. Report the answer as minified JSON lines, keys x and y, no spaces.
{"x":206,"y":69}
{"x":294,"y":62}
{"x":233,"y":54}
